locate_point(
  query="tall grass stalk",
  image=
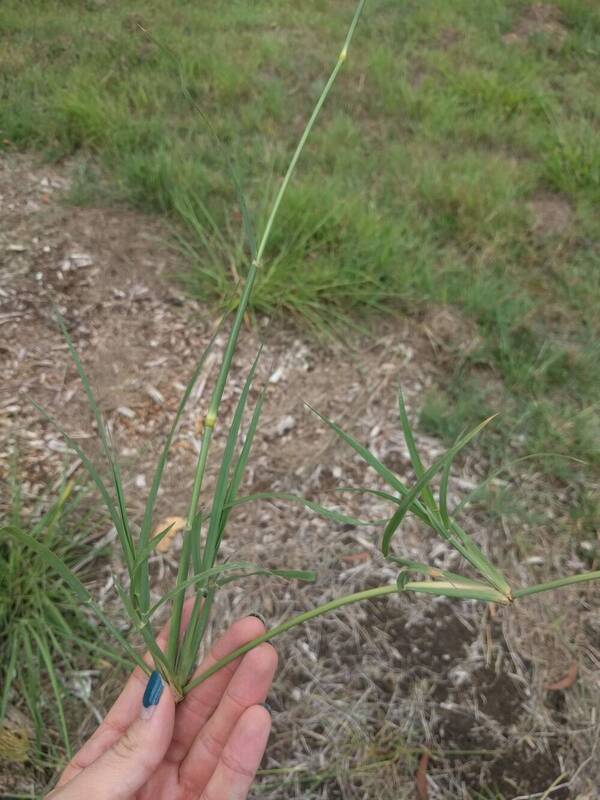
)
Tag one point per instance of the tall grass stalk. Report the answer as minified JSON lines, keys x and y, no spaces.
{"x":199,"y":570}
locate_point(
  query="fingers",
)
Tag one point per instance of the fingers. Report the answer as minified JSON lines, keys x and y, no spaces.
{"x":121,"y":715}
{"x":131,"y":760}
{"x":201,"y":702}
{"x":248,"y":687}
{"x":241,"y":757}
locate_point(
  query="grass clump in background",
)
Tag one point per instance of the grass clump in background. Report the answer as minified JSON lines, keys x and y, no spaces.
{"x":46,"y":638}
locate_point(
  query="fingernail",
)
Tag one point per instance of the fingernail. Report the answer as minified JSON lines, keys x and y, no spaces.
{"x":154,"y":689}
{"x":258,"y":616}
{"x":267,"y":707}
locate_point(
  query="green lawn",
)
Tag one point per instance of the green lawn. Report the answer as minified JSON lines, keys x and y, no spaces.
{"x":455,"y":129}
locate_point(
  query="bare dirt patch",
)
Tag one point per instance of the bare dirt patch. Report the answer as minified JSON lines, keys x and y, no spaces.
{"x":540,"y":19}
{"x":551,"y":214}
{"x":376,"y":684}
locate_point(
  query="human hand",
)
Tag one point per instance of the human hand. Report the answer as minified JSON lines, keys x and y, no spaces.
{"x":208,"y":747}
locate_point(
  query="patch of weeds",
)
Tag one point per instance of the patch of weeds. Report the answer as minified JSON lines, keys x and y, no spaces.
{"x":45,"y":635}
{"x":572,"y":160}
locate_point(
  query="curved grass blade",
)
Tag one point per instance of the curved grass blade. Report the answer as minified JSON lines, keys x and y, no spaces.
{"x":326,"y":513}
{"x":114,"y":465}
{"x":9,"y":674}
{"x":304,"y":575}
{"x":434,"y":572}
{"x":204,"y":578}
{"x":60,"y":710}
{"x":417,"y":464}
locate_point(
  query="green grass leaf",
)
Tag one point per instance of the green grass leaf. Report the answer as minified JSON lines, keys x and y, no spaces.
{"x":114,"y":465}
{"x":417,"y":464}
{"x":55,"y":683}
{"x":215,"y":528}
{"x":322,"y":511}
{"x":140,"y":581}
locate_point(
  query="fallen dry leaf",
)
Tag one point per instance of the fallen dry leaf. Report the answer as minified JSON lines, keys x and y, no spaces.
{"x":421,"y":778}
{"x":353,"y":558}
{"x":177,"y":523}
{"x":567,"y":680}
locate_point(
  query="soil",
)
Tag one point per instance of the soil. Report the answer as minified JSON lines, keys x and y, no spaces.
{"x":539,"y":19}
{"x":374,"y":682}
{"x":551,"y":214}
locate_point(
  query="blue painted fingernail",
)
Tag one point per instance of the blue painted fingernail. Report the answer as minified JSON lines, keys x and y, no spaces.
{"x":154,"y":689}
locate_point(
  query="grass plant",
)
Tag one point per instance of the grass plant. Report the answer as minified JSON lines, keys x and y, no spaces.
{"x":45,"y":636}
{"x":200,"y":571}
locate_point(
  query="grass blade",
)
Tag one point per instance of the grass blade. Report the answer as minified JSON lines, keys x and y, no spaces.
{"x":215,"y":528}
{"x":304,"y":575}
{"x":431,"y":572}
{"x":143,"y":591}
{"x":444,"y":493}
{"x":30,"y":685}
{"x":326,"y":513}
{"x":203,"y":578}
{"x":469,"y":550}
{"x":54,"y":682}
{"x":143,"y":628}
{"x":216,"y":524}
{"x":118,"y":484}
{"x":417,"y":464}
{"x":8,"y":674}
{"x":240,"y":467}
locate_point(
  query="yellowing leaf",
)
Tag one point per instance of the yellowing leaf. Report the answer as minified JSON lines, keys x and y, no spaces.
{"x":176,"y":524}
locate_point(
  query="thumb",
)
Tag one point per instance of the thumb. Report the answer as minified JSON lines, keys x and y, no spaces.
{"x":130,"y":762}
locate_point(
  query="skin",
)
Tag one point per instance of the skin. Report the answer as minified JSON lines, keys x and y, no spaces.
{"x":208,"y":747}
